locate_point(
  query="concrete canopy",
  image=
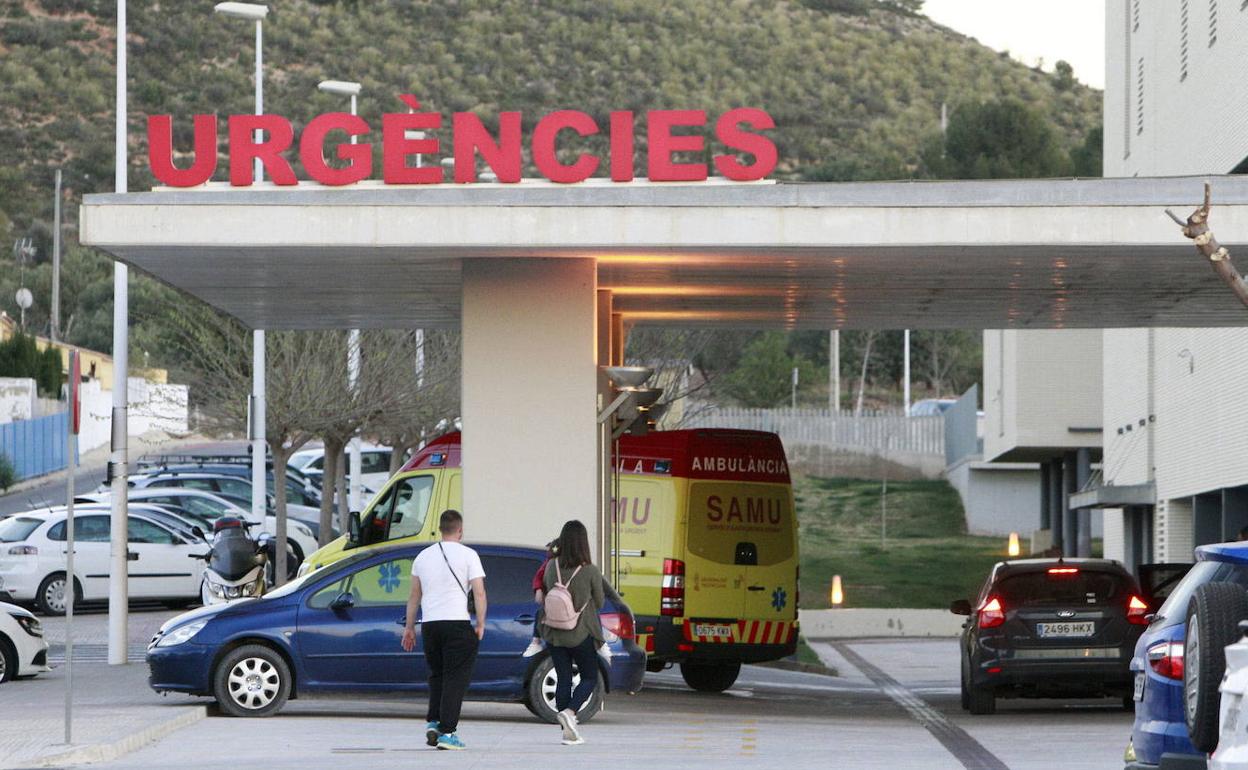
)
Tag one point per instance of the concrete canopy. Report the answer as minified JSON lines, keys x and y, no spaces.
{"x":999,"y":254}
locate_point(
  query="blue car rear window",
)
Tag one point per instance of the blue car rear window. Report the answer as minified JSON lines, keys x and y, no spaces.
{"x":1174,"y":610}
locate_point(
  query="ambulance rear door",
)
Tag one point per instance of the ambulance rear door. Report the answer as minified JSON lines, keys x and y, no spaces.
{"x":646,"y":520}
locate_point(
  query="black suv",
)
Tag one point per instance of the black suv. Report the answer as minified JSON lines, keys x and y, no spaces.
{"x":1050,"y":627}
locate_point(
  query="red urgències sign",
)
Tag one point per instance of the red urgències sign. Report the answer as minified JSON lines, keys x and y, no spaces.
{"x":737,"y":129}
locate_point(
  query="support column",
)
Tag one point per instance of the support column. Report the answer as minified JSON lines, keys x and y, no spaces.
{"x":618,"y":339}
{"x":606,"y":488}
{"x":1069,"y":486}
{"x":1055,"y":504}
{"x":1046,"y":519}
{"x":530,"y":446}
{"x":1083,"y":472}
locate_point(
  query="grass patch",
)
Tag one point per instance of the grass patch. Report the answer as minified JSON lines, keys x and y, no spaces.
{"x":926,"y":560}
{"x":806,"y":655}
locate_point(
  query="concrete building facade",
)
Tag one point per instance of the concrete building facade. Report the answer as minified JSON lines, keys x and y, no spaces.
{"x":1175,"y":472}
{"x":1042,"y":406}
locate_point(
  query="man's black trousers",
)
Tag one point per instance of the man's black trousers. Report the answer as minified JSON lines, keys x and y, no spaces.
{"x":451,"y":653}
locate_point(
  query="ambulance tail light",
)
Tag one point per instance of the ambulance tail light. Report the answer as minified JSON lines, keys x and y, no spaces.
{"x":619,"y":624}
{"x":672,"y":602}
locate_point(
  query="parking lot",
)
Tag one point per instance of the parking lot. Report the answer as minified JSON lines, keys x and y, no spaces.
{"x":893,"y":705}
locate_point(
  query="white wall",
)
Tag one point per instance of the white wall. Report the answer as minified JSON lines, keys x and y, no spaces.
{"x":1172,"y":531}
{"x":1197,"y":124}
{"x":1038,"y":385}
{"x":1129,"y":446}
{"x":17,"y":399}
{"x":1202,"y":423}
{"x":152,"y":407}
{"x":998,"y":500}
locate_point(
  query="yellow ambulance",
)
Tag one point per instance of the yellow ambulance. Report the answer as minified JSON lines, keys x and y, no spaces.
{"x":706,"y":542}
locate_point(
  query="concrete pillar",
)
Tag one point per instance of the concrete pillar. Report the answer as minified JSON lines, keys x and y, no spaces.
{"x":1234,"y":512}
{"x":530,"y":381}
{"x":1083,"y":472}
{"x":1207,"y":518}
{"x":618,"y":339}
{"x":1046,"y":521}
{"x":1055,"y":503}
{"x":606,"y":492}
{"x":1069,"y":486}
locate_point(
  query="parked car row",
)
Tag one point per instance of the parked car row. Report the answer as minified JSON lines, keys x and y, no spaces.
{"x":171,"y":505}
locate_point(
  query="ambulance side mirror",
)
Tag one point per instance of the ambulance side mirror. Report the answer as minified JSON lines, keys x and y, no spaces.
{"x":353,"y":527}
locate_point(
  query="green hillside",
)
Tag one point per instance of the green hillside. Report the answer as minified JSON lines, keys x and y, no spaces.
{"x":844,"y":86}
{"x":926,"y":561}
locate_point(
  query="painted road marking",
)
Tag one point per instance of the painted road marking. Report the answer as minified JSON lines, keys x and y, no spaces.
{"x":959,"y":743}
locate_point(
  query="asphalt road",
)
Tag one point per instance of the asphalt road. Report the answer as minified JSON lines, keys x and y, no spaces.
{"x":895,"y":705}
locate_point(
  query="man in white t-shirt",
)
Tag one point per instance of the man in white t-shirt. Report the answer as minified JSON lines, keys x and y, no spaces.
{"x":443,"y":575}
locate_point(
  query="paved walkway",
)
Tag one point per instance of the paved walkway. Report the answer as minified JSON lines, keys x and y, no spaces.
{"x":114,"y":713}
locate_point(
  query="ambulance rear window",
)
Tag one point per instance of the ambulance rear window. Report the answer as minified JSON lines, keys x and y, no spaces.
{"x":733,"y":522}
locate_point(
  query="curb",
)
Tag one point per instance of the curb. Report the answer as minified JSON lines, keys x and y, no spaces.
{"x":106,"y":752}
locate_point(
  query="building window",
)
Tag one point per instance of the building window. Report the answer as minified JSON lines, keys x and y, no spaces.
{"x":1126,"y":77}
{"x":1183,"y":29}
{"x":1139,"y":97}
{"x":1213,"y":22}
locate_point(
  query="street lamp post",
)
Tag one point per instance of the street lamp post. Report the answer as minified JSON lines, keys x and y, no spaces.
{"x":119,"y":545}
{"x":256,"y":430}
{"x":355,"y":490}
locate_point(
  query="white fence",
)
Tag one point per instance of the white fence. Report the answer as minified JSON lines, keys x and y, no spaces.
{"x":879,"y":434}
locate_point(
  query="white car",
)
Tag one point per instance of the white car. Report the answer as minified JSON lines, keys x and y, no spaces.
{"x":206,"y":505}
{"x":1232,"y":751}
{"x":32,"y":560}
{"x":374,"y":464}
{"x":23,"y":651}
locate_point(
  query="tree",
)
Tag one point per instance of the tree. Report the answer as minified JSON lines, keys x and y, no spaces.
{"x":1086,"y":160}
{"x":996,"y":140}
{"x":1064,"y":75}
{"x":763,"y":378}
{"x":20,"y":356}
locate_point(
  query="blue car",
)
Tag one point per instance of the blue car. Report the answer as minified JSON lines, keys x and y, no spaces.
{"x":1159,"y":739}
{"x":338,"y":630}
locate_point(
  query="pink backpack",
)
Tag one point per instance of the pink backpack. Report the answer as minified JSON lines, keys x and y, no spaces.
{"x":560,"y":612}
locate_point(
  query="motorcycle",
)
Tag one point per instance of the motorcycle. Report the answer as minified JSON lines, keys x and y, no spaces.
{"x":235,"y":567}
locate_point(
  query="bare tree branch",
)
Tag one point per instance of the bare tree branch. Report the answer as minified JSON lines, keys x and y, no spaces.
{"x":1197,"y":228}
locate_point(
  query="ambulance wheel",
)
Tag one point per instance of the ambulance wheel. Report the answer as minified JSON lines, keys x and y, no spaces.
{"x":710,"y":677}
{"x":539,"y":696}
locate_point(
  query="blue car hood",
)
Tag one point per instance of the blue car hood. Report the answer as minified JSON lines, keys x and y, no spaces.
{"x":202,"y":612}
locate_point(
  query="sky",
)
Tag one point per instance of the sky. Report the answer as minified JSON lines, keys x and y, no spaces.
{"x":1030,"y":30}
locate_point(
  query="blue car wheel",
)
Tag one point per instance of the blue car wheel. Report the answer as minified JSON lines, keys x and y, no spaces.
{"x":251,"y":681}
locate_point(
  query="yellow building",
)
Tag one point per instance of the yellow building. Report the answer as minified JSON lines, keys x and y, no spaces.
{"x":95,"y":365}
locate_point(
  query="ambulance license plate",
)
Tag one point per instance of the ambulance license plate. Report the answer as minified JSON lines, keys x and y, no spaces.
{"x":1140,"y":679}
{"x":1068,"y":630}
{"x":720,"y":630}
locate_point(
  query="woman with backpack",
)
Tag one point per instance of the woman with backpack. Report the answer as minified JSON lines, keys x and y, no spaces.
{"x":571,"y":625}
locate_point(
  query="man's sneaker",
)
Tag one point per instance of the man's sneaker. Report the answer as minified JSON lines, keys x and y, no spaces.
{"x":450,"y":742}
{"x":576,"y":742}
{"x":431,"y":733}
{"x":535,"y":646}
{"x":567,"y":720}
{"x":604,"y":652}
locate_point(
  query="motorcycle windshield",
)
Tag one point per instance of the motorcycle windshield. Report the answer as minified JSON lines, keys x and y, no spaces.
{"x":233,"y":557}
